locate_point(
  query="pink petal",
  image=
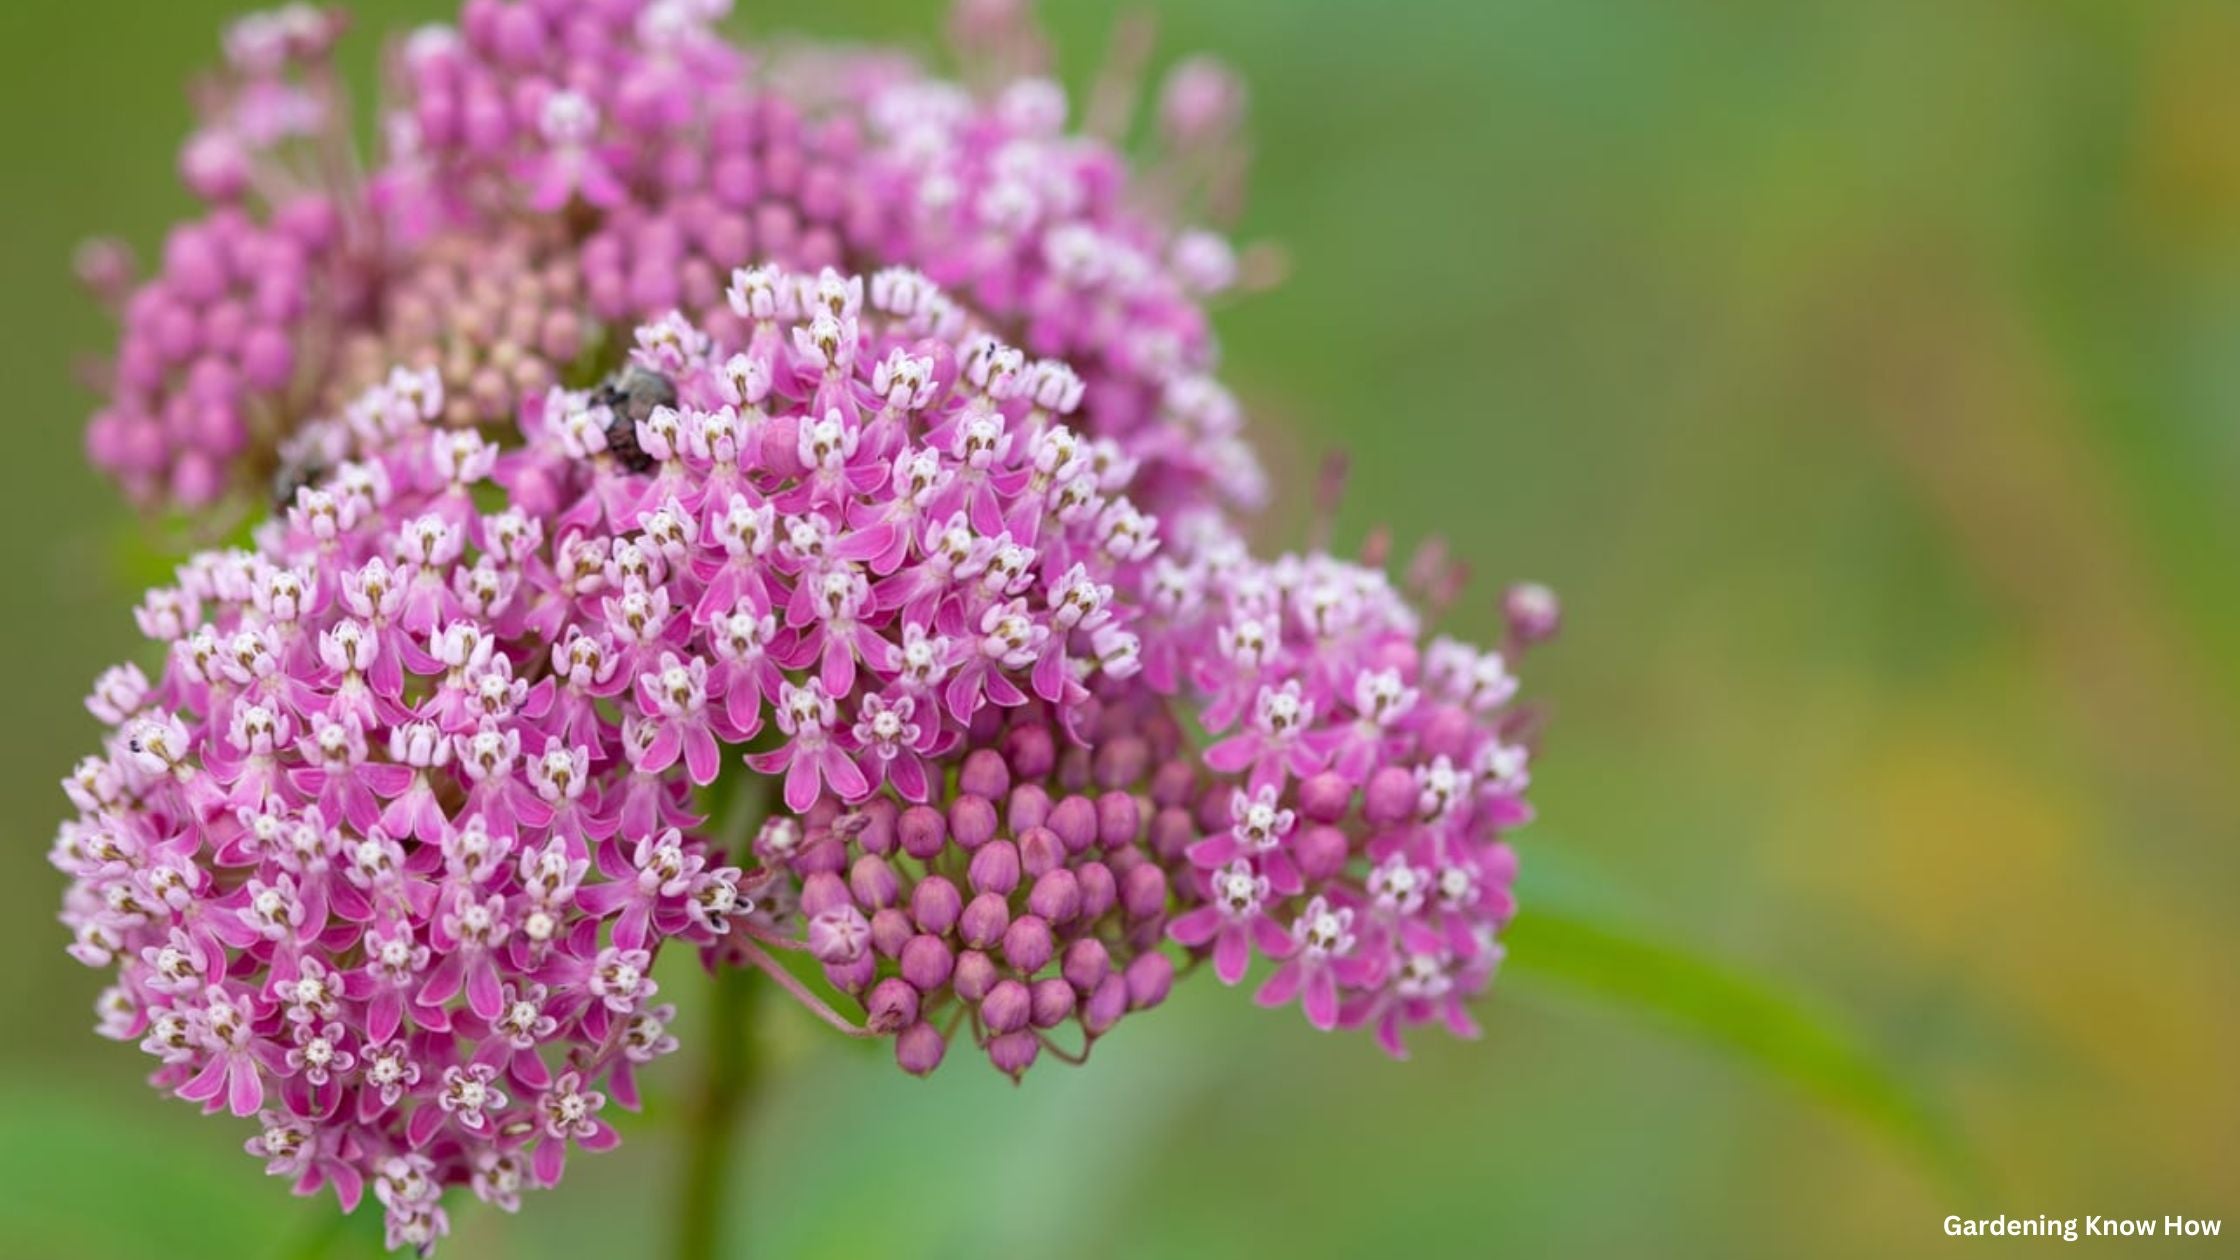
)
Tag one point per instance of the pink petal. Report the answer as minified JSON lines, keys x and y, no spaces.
{"x":550,"y":1157}
{"x":207,"y":1083}
{"x":662,"y":752}
{"x":1195,"y":928}
{"x":1234,"y":753}
{"x":424,"y":1124}
{"x":484,"y":996}
{"x":803,"y":785}
{"x":246,"y":1089}
{"x":1322,"y":999}
{"x":1281,"y":987}
{"x":845,"y":776}
{"x":383,"y":1014}
{"x":630,"y":929}
{"x":1231,"y":956}
{"x":1213,"y":852}
{"x":702,"y":758}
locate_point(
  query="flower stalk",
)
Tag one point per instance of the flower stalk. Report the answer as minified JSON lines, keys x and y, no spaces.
{"x":711,"y":1153}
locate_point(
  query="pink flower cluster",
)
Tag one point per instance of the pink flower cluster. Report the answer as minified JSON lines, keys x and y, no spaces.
{"x":359,"y":855}
{"x":552,"y":169}
{"x":686,"y":459}
{"x":1365,"y":785}
{"x":342,"y":852}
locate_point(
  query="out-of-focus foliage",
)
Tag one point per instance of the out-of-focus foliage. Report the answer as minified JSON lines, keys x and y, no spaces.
{"x":1867,"y":377}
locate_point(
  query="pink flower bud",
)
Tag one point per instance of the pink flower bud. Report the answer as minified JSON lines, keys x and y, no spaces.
{"x":922,"y":831}
{"x":975,"y":974}
{"x":1031,"y":750}
{"x":1040,"y":852}
{"x":1006,"y":1007}
{"x":873,"y":882}
{"x":1086,"y":964}
{"x":995,"y":868}
{"x":1027,"y":945}
{"x":972,"y":819}
{"x":824,"y":891}
{"x":1099,"y":890}
{"x":1122,"y":761}
{"x":919,"y":1048}
{"x":1175,"y":784}
{"x":1013,"y":1053}
{"x":892,"y":1005}
{"x":1390,"y":796}
{"x":1119,"y":820}
{"x":1532,"y":611}
{"x":1075,"y":821}
{"x":1029,"y":807}
{"x":935,"y":904}
{"x":1150,"y":977}
{"x":1320,"y":852}
{"x":1143,"y":891}
{"x":984,"y":774}
{"x":1105,"y":1005}
{"x":926,"y":962}
{"x":890,"y":930}
{"x":1325,"y":797}
{"x":1056,"y":896}
{"x":1053,"y":1002}
{"x":984,"y":921}
{"x":877,"y":834}
{"x":1174,"y":830}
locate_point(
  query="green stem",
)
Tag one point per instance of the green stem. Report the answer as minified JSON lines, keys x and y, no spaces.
{"x":712,"y":1140}
{"x":711,"y":1146}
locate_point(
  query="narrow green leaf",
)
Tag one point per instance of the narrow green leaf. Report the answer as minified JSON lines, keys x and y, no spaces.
{"x":1749,"y":1018}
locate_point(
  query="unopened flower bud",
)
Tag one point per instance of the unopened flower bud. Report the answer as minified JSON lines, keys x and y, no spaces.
{"x":1325,"y":797}
{"x":919,"y":1049}
{"x":935,"y":904}
{"x":984,"y":921}
{"x":922,"y":831}
{"x":972,"y":820}
{"x":1086,"y":964}
{"x":1390,"y":796}
{"x":975,"y":974}
{"x":1006,"y":1007}
{"x":1053,"y":1002}
{"x":1056,"y":896}
{"x":984,"y":774}
{"x":1027,"y":945}
{"x":1074,"y":819}
{"x":926,"y":962}
{"x":1118,"y":819}
{"x":1150,"y":977}
{"x":892,"y":1005}
{"x":995,"y":868}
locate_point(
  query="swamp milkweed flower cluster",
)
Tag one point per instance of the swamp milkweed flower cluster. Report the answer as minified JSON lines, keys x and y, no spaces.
{"x":667,"y":429}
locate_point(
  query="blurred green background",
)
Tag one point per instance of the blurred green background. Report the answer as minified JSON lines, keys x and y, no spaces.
{"x":1866,"y":376}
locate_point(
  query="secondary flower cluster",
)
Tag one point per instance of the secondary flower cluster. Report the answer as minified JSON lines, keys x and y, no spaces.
{"x":1365,"y":784}
{"x":554,"y":170}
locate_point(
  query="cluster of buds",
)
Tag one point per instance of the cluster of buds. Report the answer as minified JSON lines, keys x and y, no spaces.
{"x":1031,"y":895}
